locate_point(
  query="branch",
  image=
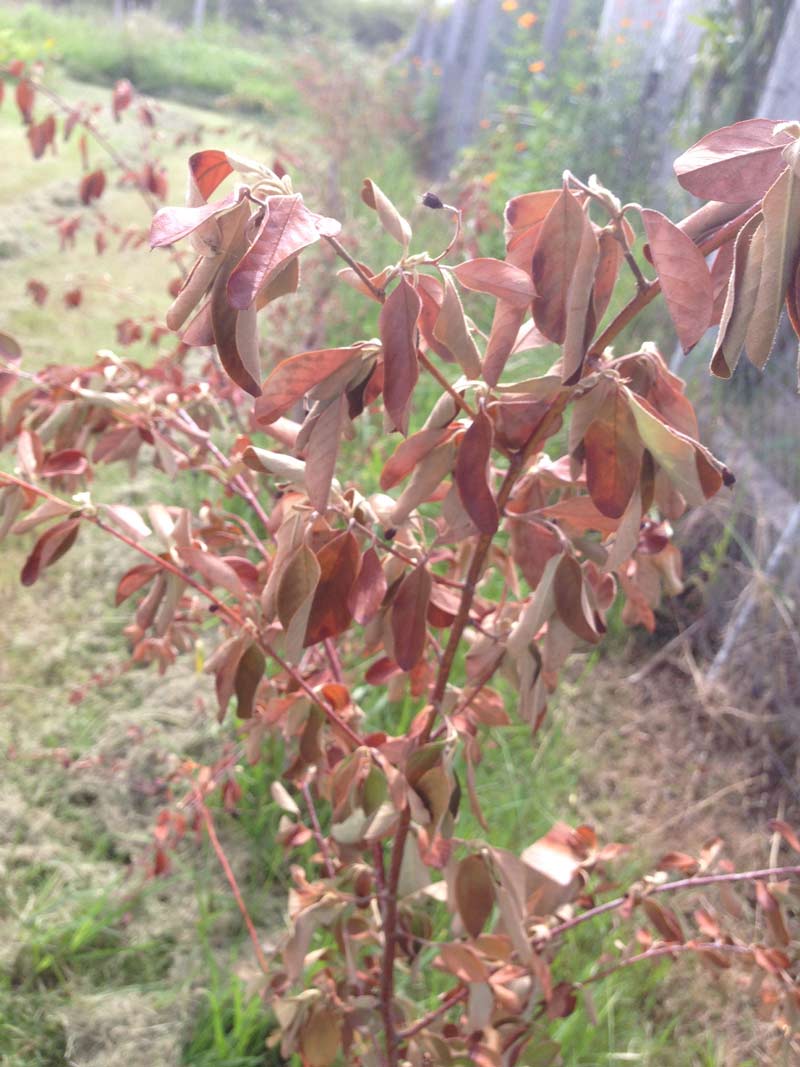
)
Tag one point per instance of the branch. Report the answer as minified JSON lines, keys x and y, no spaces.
{"x":231,"y":614}
{"x":670,"y":887}
{"x":318,"y":835}
{"x":223,"y":859}
{"x":455,"y":996}
{"x":669,"y":949}
{"x":342,"y":253}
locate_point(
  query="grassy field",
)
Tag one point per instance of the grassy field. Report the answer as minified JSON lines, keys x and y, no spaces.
{"x":100,"y":967}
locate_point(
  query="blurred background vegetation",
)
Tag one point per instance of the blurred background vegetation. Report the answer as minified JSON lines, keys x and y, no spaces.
{"x":481,"y":100}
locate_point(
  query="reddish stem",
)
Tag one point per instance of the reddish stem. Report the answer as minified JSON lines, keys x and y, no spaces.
{"x":670,"y":949}
{"x":319,"y":837}
{"x":670,"y":887}
{"x":226,"y":867}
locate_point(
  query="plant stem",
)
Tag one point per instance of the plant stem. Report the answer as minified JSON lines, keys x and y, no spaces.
{"x":671,"y":887}
{"x":670,"y":949}
{"x":455,"y":996}
{"x":231,"y":877}
{"x":342,"y":253}
{"x":319,"y":837}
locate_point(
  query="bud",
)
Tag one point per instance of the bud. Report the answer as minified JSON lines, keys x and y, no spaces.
{"x":432,"y":200}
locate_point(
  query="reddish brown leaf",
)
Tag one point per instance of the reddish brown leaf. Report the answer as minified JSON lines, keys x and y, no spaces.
{"x":41,"y":135}
{"x":321,"y":1038}
{"x":474,"y":894}
{"x":11,"y":355}
{"x":134,"y":579}
{"x":208,"y":169}
{"x":369,"y":589}
{"x":121,"y":97}
{"x":25,"y":96}
{"x":572,"y":601}
{"x":68,"y":461}
{"x":398,"y":330}
{"x":678,"y":861}
{"x":665,"y":921}
{"x":562,"y":1001}
{"x":409,"y":453}
{"x":38,"y":291}
{"x":409,"y":612}
{"x":740,"y":298}
{"x":684,"y":276}
{"x":472,"y":474}
{"x":721,"y":270}
{"x":554,"y":259}
{"x":735,"y":164}
{"x":92,"y":186}
{"x":249,"y":672}
{"x":452,"y":330}
{"x":431,"y":292}
{"x":502,"y":337}
{"x":463,"y":962}
{"x":786,"y":832}
{"x":781,"y":211}
{"x":330,"y":614}
{"x":286,"y":229}
{"x":497,"y":278}
{"x":322,"y":450}
{"x":50,"y":547}
{"x":296,"y":376}
{"x":772,"y":913}
{"x":613,"y":453}
{"x":73,"y":298}
{"x":214,"y":569}
{"x":390,"y":218}
{"x":235,"y":332}
{"x":171,"y":224}
{"x":607,"y":272}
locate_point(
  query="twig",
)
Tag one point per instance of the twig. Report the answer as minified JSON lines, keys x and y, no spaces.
{"x":231,"y":877}
{"x":342,"y":253}
{"x":671,"y":887}
{"x":455,"y":996}
{"x":668,"y":949}
{"x":317,"y":830}
{"x":435,"y":373}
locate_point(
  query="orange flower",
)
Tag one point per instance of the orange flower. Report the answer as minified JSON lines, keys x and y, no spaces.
{"x":485,"y":124}
{"x":492,"y":176}
{"x":437,"y":71}
{"x":626,"y":23}
{"x":537,"y":67}
{"x":616,"y":63}
{"x":580,"y":88}
{"x":509,"y":5}
{"x":520,"y":146}
{"x":620,"y":38}
{"x":527,"y":20}
{"x":647,"y":24}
